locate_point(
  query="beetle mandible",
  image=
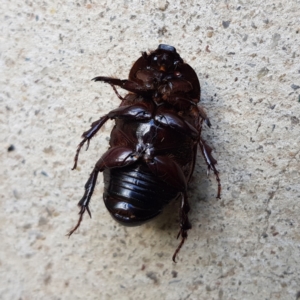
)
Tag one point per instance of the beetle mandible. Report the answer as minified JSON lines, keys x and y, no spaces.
{"x":153,"y":144}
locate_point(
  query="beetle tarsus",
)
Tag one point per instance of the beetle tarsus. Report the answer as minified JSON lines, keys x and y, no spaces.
{"x":85,"y":200}
{"x":81,"y":212}
{"x":185,"y":224}
{"x":179,"y":247}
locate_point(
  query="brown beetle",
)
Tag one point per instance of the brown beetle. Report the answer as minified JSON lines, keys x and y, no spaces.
{"x":153,"y":144}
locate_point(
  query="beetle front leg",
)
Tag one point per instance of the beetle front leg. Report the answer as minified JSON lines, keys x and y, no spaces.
{"x":125,"y":84}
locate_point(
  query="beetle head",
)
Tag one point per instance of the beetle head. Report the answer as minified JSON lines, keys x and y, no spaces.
{"x":165,"y":58}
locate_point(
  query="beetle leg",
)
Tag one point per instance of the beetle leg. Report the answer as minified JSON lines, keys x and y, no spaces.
{"x":85,"y":200}
{"x":175,"y":85}
{"x":177,"y":123}
{"x":203,"y":115}
{"x":87,"y":135}
{"x":185,"y":224}
{"x":117,"y":157}
{"x":198,"y":111}
{"x":181,"y":102}
{"x":211,"y":162}
{"x":170,"y":172}
{"x":125,"y":84}
{"x":117,"y":93}
{"x":134,"y":112}
{"x":112,"y":158}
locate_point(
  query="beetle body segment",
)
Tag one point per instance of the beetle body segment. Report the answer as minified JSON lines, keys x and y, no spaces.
{"x":131,"y":194}
{"x":153,"y":144}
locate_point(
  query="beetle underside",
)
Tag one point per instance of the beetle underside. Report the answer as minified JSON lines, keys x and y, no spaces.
{"x":153,"y":144}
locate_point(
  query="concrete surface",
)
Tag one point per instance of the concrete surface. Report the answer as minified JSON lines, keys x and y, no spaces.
{"x":244,"y":246}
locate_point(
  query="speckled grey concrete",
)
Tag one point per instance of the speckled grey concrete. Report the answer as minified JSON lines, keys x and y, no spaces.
{"x":244,"y":246}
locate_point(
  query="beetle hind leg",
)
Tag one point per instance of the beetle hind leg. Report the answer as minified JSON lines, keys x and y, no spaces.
{"x":185,"y":224}
{"x":81,"y":212}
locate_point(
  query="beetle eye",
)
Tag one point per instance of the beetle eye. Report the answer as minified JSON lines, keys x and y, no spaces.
{"x":177,"y":74}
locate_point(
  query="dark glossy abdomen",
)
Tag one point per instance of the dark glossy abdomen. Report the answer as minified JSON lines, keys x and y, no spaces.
{"x":133,"y":195}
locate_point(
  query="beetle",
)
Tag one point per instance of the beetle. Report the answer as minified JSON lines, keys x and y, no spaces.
{"x":153,"y":145}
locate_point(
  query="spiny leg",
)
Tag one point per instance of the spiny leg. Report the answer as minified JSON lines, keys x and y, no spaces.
{"x":141,"y":111}
{"x":125,"y":84}
{"x":211,"y":162}
{"x":112,"y":158}
{"x":85,"y":200}
{"x":169,"y":171}
{"x":87,"y":135}
{"x":185,"y":224}
{"x":206,"y":150}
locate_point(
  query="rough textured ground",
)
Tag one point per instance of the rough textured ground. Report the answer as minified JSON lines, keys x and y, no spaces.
{"x":244,"y":246}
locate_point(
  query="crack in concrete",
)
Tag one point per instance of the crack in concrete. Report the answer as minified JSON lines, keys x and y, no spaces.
{"x":271,"y":196}
{"x":268,"y":211}
{"x":294,"y":157}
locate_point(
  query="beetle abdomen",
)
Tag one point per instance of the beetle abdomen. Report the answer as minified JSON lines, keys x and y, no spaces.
{"x":133,"y":195}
